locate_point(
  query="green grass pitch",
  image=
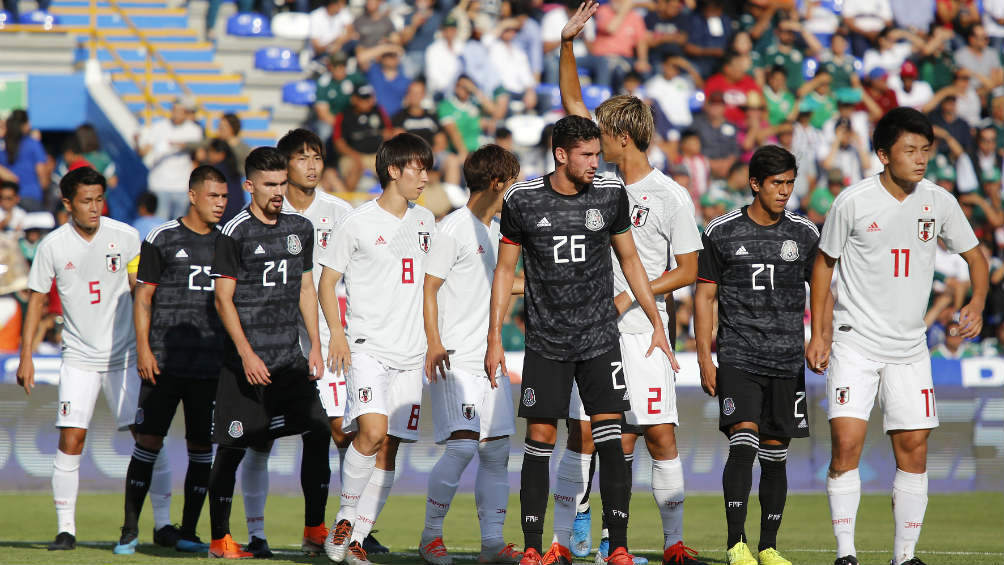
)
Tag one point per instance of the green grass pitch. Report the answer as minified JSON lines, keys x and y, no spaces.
{"x":959,"y":529}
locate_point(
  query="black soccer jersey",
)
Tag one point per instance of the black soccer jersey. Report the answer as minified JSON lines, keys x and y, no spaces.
{"x":566,"y":257}
{"x":268,"y":262}
{"x":761,"y":273}
{"x":186,"y":335}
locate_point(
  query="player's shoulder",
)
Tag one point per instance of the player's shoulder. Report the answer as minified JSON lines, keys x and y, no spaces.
{"x":230,"y":229}
{"x":454,"y":221}
{"x":360,"y":215}
{"x":802,"y":224}
{"x":671,"y":192}
{"x":159,"y":234}
{"x":718,"y":226}
{"x":523,"y":188}
{"x":420,"y":212}
{"x":608,"y":183}
{"x":937,"y":192}
{"x":863,"y":187}
{"x":332,"y":201}
{"x":118,"y":227}
{"x":53,"y":239}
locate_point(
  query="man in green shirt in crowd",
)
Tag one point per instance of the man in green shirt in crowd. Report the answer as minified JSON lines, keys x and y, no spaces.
{"x":461,"y":113}
{"x":334,"y":89}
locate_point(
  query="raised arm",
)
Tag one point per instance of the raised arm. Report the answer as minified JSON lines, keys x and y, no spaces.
{"x":568,"y":72}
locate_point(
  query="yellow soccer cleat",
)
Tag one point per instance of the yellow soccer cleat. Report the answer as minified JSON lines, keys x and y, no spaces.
{"x":740,"y":554}
{"x":771,"y":556}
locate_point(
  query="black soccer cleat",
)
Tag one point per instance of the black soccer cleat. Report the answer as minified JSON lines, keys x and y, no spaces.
{"x":258,"y":547}
{"x":371,"y":545}
{"x":167,"y":536}
{"x":188,"y":542}
{"x":64,"y":541}
{"x":914,"y":561}
{"x":846,"y":560}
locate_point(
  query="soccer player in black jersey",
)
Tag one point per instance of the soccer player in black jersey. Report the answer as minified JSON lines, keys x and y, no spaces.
{"x":179,"y":343}
{"x":263,"y":289}
{"x":565,"y":224}
{"x":755,"y":263}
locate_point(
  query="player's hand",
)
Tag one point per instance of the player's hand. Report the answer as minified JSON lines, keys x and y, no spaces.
{"x":26,"y":374}
{"x":147,"y":366}
{"x":660,"y":341}
{"x":255,"y":370}
{"x":339,"y":356}
{"x":315,"y":364}
{"x":709,"y":378}
{"x":436,"y":359}
{"x":970,"y":320}
{"x":622,"y":302}
{"x":578,"y":20}
{"x":817,"y":355}
{"x":494,"y":358}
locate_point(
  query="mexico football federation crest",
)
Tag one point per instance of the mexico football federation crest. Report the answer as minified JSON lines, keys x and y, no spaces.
{"x":639,"y":214}
{"x":594,"y":219}
{"x":843,"y":395}
{"x":236,"y":429}
{"x":925,"y":229}
{"x":113,"y":262}
{"x":789,"y":250}
{"x":323,"y":236}
{"x":293,"y":244}
{"x":139,"y":416}
{"x":365,"y":394}
{"x":64,"y":407}
{"x":423,"y":241}
{"x":468,"y":411}
{"x":728,"y":406}
{"x":529,"y":397}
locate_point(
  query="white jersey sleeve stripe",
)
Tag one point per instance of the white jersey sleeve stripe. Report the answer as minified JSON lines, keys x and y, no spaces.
{"x":150,"y":237}
{"x":721,"y":220}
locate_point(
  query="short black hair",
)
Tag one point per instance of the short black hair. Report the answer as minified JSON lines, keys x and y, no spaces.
{"x":85,"y":176}
{"x":572,"y":130}
{"x":895,"y":123}
{"x":264,"y":159}
{"x":204,"y":173}
{"x":296,"y":139}
{"x":689,"y":133}
{"x":778,"y":69}
{"x":489,"y":163}
{"x":148,"y":201}
{"x":771,"y":160}
{"x":400,"y":151}
{"x":10,"y":185}
{"x":233,"y":121}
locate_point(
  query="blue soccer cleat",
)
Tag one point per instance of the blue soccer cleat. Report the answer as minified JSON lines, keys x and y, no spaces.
{"x":582,"y":538}
{"x":127,"y":543}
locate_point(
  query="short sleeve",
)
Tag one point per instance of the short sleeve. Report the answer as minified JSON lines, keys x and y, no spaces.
{"x":339,"y":253}
{"x":442,"y":255}
{"x":837,"y":228}
{"x":37,"y":153}
{"x":42,"y":269}
{"x":308,"y":246}
{"x":511,"y":225}
{"x":227,"y":258}
{"x":709,"y":263}
{"x":810,"y":259}
{"x":955,"y":230}
{"x":622,"y":218}
{"x":682,"y":228}
{"x":150,"y":264}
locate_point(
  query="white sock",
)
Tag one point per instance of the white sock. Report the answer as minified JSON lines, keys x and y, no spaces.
{"x":356,"y":471}
{"x":443,"y":482}
{"x":584,"y":504}
{"x":341,"y":460}
{"x":65,"y":484}
{"x":491,"y":490}
{"x":569,"y":488}
{"x":254,"y":488}
{"x":844,"y":493}
{"x":909,"y":502}
{"x":667,"y":488}
{"x":160,"y":491}
{"x":371,"y":503}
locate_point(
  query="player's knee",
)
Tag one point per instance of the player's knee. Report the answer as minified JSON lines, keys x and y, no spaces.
{"x":369,"y":442}
{"x":661,"y":442}
{"x":148,"y":441}
{"x":71,"y":440}
{"x":744,"y":444}
{"x":462,"y":449}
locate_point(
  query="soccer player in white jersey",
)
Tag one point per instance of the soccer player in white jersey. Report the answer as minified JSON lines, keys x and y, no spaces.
{"x":663,"y":221}
{"x":93,"y":262}
{"x":882,"y":234}
{"x":473,"y":413}
{"x":380,"y":251}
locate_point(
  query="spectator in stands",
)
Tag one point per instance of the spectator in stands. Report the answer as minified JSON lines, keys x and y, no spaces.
{"x":820,"y":17}
{"x":848,"y":152}
{"x":550,"y":34}
{"x":334,"y":88}
{"x":839,"y":63}
{"x":957,"y":15}
{"x":229,"y":131}
{"x":146,"y":214}
{"x":709,"y":33}
{"x":865,"y":19}
{"x":479,"y":66}
{"x":983,"y":61}
{"x":442,"y":58}
{"x":667,"y":27}
{"x":513,"y":65}
{"x":330,"y":28}
{"x":461,"y":115}
{"x":987,"y":159}
{"x":876,"y":96}
{"x":820,"y":96}
{"x":822,"y":197}
{"x":24,"y":156}
{"x":848,"y":101}
{"x":162,"y":145}
{"x":915,"y":16}
{"x":735,"y":87}
{"x":264,"y":7}
{"x":946,"y":116}
{"x":954,"y":346}
{"x":375,"y":28}
{"x":426,"y":21}
{"x":697,"y":165}
{"x":892,"y":47}
{"x":711,"y":207}
{"x":90,"y":147}
{"x":359,"y":130}
{"x":718,"y":136}
{"x":993,"y":23}
{"x":734,"y":189}
{"x":622,"y":38}
{"x":11,"y":215}
{"x":996,"y":118}
{"x":417,"y":117}
{"x":387,"y":77}
{"x":672,"y":89}
{"x":911,"y":91}
{"x":73,"y":157}
{"x":805,"y":136}
{"x":781,"y":104}
{"x":528,"y":38}
{"x":756,"y":131}
{"x":220,"y":155}
{"x":756,"y":21}
{"x":937,"y":66}
{"x":785,"y":52}
{"x":983,"y":205}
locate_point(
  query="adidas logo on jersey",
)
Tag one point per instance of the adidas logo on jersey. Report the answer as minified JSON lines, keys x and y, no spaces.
{"x":181,"y":254}
{"x":543,"y":223}
{"x":874,"y":227}
{"x":742,"y":251}
{"x":259,"y":250}
{"x":380,"y":240}
{"x":481,"y":250}
{"x":70,"y":266}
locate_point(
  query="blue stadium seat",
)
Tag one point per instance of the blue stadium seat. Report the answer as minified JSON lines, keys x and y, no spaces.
{"x":824,"y":38}
{"x":551,"y":92}
{"x":300,"y":92}
{"x":696,"y":101}
{"x":39,"y":17}
{"x":594,"y":95}
{"x":248,"y":25}
{"x":277,"y":59}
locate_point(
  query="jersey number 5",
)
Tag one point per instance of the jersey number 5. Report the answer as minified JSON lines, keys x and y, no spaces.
{"x":94,"y":288}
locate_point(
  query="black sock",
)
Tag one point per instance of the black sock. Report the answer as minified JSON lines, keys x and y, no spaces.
{"x":773,"y":492}
{"x":737,"y":479}
{"x":137,"y":484}
{"x":534,"y":487}
{"x":221,"y":488}
{"x":315,"y":473}
{"x":613,"y":480}
{"x":589,"y":483}
{"x":196,"y":488}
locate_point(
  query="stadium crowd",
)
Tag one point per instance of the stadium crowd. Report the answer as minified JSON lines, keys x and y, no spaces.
{"x":722,"y":78}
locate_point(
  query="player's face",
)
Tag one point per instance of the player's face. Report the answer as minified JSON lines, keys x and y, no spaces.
{"x":305,"y":168}
{"x":209,"y":201}
{"x":411,"y":182}
{"x":86,"y":206}
{"x":610,"y":145}
{"x":773,"y":195}
{"x":907,"y":158}
{"x":582,"y":160}
{"x":267,"y":189}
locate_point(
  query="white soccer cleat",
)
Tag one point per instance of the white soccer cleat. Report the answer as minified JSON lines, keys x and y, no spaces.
{"x":356,"y":555}
{"x":501,"y":554}
{"x":336,"y":545}
{"x":433,"y":552}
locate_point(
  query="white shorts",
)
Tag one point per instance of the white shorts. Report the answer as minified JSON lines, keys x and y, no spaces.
{"x":78,"y":391}
{"x":467,"y":401}
{"x":331,"y":387}
{"x":650,"y":381}
{"x":375,"y":388}
{"x":905,"y":390}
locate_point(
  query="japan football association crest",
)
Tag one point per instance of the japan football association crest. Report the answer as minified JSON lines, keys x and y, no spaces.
{"x":293,"y":244}
{"x":594,"y":219}
{"x":925,"y":229}
{"x":365,"y":394}
{"x":236,"y":429}
{"x":323,"y":236}
{"x":639,"y":214}
{"x":789,"y":250}
{"x":113,"y":262}
{"x":64,"y":407}
{"x":423,"y":241}
{"x":843,"y":395}
{"x":468,"y":411}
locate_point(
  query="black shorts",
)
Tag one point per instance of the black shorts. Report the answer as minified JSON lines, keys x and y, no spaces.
{"x":775,"y":404}
{"x":247,"y":415}
{"x":547,"y":385}
{"x":158,"y":403}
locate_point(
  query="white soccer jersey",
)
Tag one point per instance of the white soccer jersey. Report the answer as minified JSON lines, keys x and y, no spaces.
{"x":662,"y":223}
{"x":886,"y":250}
{"x":382,"y":258}
{"x":464,"y":253}
{"x":93,"y":287}
{"x":326,"y":213}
